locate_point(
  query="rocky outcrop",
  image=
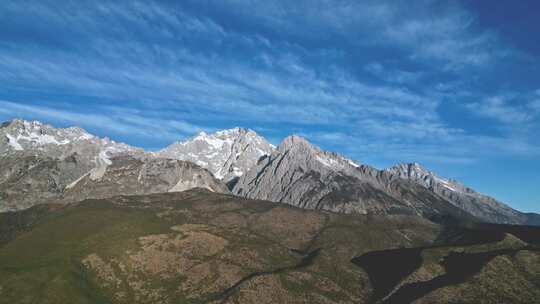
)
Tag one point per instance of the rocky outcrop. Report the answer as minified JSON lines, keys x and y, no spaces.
{"x":28,"y":180}
{"x":127,"y":175}
{"x":37,"y":161}
{"x":21,"y":137}
{"x":461,"y":196}
{"x":40,"y":164}
{"x":302,"y":175}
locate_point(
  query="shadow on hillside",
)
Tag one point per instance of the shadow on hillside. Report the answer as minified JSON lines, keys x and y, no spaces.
{"x":387,"y":268}
{"x":459,"y":267}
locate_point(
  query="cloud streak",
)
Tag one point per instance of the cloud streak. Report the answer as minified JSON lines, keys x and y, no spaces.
{"x":499,"y":108}
{"x":112,"y":121}
{"x":155,"y":69}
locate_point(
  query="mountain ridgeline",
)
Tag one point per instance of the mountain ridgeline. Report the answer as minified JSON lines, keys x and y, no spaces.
{"x":41,"y":164}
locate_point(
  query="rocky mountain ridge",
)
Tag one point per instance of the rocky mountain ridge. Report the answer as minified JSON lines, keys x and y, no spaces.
{"x":477,"y":204}
{"x":34,"y":137}
{"x":42,"y":163}
{"x":300,"y":174}
{"x":127,"y":175}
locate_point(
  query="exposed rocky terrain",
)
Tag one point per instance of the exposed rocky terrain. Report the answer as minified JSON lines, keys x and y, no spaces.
{"x":127,"y":175}
{"x":203,"y":247}
{"x":477,"y":204}
{"x":302,"y":175}
{"x":39,"y":164}
{"x":21,"y":137}
{"x":228,"y":154}
{"x":28,"y":180}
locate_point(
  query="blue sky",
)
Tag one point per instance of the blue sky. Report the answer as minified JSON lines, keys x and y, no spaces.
{"x":452,"y":85}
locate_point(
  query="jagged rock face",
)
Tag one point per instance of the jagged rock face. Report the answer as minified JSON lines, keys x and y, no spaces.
{"x":479,"y":205}
{"x":127,"y":175}
{"x":227,"y":154}
{"x":300,"y":174}
{"x":27,"y":180}
{"x":37,"y":161}
{"x":40,"y":163}
{"x":296,"y":173}
{"x":36,"y":138}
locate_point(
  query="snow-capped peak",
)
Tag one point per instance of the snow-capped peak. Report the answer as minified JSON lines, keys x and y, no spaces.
{"x":226,"y":153}
{"x":23,"y":134}
{"x":37,"y":137}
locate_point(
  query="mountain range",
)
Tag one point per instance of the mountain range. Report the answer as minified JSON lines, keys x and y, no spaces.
{"x":229,"y":218}
{"x":40,"y":164}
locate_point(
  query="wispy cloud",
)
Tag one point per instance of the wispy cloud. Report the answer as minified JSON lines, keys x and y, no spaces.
{"x":168,"y":70}
{"x":499,"y":108}
{"x":459,"y":148}
{"x":113,"y":121}
{"x":391,"y":75}
{"x":423,"y":29}
{"x":276,"y":85}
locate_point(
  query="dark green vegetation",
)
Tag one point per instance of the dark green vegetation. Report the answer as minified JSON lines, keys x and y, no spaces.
{"x":13,"y":223}
{"x":202,"y":247}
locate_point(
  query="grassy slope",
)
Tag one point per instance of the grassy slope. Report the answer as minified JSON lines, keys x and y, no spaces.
{"x":43,"y":265}
{"x":196,"y":247}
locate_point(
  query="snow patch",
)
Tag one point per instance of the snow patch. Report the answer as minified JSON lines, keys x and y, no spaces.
{"x":71,"y":185}
{"x":228,"y":132}
{"x":85,"y":136}
{"x":103,"y":162}
{"x":210,"y":155}
{"x":445,"y":184}
{"x":12,"y":141}
{"x":353,"y":163}
{"x":237,"y":172}
{"x":327,"y":161}
{"x":104,"y":157}
{"x":214,"y":142}
{"x":42,"y":139}
{"x":218,"y":174}
{"x":201,"y":163}
{"x":261,"y":152}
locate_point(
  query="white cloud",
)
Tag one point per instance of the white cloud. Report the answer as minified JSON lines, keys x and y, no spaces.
{"x":425,"y":29}
{"x":139,"y":56}
{"x":117,"y":121}
{"x":500,"y":108}
{"x":453,"y":148}
{"x":534,"y":106}
{"x":392,"y":75}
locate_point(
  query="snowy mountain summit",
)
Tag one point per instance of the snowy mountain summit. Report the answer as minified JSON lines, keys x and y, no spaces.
{"x":228,"y":154}
{"x":34,"y":137}
{"x":40,"y":163}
